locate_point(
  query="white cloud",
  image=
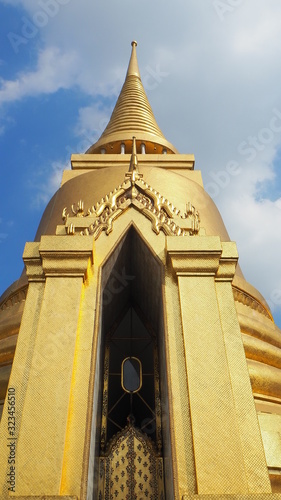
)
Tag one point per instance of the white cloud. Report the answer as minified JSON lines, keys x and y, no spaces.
{"x":256,"y":224}
{"x":253,"y":36}
{"x":45,"y":183}
{"x":253,"y":221}
{"x":55,"y":70}
{"x":91,"y":123}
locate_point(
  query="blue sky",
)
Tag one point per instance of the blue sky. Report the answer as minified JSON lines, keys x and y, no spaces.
{"x":212,"y":72}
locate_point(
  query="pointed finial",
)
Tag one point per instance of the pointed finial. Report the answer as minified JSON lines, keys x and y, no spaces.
{"x":133,"y":173}
{"x":133,"y":68}
{"x":134,"y":158}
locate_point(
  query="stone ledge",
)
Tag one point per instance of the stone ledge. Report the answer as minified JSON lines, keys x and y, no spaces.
{"x":98,"y":161}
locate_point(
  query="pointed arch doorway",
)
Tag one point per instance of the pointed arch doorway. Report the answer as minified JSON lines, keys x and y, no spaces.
{"x":134,"y":438}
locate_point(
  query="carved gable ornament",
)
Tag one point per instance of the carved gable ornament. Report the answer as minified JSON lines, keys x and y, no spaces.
{"x":140,"y":196}
{"x":135,"y":193}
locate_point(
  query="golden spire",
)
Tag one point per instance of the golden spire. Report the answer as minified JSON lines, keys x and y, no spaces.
{"x":133,"y":68}
{"x":132,"y":116}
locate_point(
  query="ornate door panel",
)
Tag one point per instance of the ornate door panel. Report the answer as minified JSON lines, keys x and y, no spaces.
{"x":131,"y":468}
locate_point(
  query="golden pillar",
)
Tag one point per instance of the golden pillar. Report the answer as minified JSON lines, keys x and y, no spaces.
{"x":43,"y":379}
{"x":229,"y":458}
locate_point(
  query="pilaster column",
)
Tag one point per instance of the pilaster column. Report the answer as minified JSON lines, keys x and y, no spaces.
{"x":250,"y":435}
{"x":21,"y":366}
{"x":203,"y":265}
{"x":41,"y":439}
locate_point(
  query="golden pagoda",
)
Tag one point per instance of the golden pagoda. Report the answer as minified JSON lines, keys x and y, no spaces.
{"x":135,"y":360}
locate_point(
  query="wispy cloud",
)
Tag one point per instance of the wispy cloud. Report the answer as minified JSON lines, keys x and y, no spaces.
{"x":92,"y":121}
{"x":45,"y":183}
{"x":3,"y":235}
{"x":253,"y":221}
{"x":55,"y":70}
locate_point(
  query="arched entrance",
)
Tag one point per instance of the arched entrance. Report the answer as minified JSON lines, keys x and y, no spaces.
{"x":134,"y":437}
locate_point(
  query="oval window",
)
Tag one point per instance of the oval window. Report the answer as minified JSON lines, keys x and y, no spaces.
{"x":131,"y":374}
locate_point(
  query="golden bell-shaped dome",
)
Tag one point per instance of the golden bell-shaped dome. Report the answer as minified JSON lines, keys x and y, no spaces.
{"x":132,"y":116}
